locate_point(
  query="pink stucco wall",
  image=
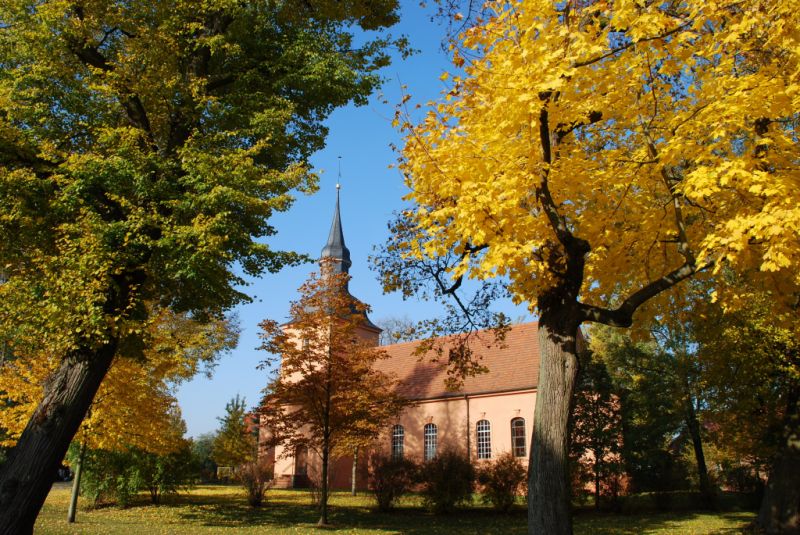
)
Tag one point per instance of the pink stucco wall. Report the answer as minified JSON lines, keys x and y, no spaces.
{"x":454,"y":430}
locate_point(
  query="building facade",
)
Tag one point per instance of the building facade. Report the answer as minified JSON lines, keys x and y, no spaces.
{"x":492,"y":413}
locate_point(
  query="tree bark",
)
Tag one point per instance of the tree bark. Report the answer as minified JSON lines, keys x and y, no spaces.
{"x":548,"y":494}
{"x":780,"y":507}
{"x":27,"y":476}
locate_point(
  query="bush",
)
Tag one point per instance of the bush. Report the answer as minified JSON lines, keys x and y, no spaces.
{"x":118,"y":476}
{"x":447,"y":481}
{"x":502,"y":481}
{"x":256,"y":477}
{"x":162,"y":475}
{"x":389,"y":479}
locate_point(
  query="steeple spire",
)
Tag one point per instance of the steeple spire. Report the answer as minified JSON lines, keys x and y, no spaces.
{"x":335,"y":247}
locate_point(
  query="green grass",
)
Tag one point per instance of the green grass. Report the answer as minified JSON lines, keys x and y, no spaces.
{"x":216,"y":509}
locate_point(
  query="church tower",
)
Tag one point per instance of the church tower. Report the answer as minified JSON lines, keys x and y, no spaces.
{"x":338,"y":257}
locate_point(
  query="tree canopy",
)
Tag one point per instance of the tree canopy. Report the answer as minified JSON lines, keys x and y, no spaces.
{"x":663,"y":136}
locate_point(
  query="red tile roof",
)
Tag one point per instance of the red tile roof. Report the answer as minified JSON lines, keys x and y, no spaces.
{"x":513,"y":365}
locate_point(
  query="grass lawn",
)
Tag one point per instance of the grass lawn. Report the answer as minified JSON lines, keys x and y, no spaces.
{"x":217,"y":509}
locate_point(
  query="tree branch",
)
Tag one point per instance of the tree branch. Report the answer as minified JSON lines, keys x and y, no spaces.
{"x":626,"y":46}
{"x":622,"y":316}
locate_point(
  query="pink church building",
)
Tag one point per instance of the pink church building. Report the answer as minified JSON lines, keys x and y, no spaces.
{"x":490,"y":414}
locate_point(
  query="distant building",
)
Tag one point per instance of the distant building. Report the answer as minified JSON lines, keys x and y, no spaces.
{"x":491,"y":414}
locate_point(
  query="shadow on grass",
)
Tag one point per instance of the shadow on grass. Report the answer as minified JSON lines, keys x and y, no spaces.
{"x":669,"y":522}
{"x":291,"y":509}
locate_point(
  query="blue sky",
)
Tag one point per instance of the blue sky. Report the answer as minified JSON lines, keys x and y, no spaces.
{"x":371,"y":192}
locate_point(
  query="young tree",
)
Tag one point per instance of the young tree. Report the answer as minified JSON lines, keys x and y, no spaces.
{"x":596,"y":154}
{"x":234,"y":443}
{"x":652,"y":407}
{"x":144,"y":146}
{"x":595,"y":428}
{"x":326,"y":394}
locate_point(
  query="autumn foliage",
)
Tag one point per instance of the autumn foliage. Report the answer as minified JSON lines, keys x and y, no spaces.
{"x":327,"y":394}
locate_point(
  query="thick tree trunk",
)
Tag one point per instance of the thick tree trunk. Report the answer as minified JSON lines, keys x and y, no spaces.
{"x":27,"y":476}
{"x":548,"y":493}
{"x":706,"y":491}
{"x":780,"y":508}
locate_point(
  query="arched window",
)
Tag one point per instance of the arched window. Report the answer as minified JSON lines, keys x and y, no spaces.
{"x":484,"y":442}
{"x":429,"y":437}
{"x":518,"y":437}
{"x":398,"y":435}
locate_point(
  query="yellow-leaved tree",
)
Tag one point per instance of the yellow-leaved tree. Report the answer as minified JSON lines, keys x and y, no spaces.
{"x":135,"y":406}
{"x":594,"y":154}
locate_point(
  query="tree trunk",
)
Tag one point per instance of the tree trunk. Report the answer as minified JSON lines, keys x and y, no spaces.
{"x":76,"y":485}
{"x":323,"y":491}
{"x":27,"y":476}
{"x":548,"y":494}
{"x":355,"y":472}
{"x":597,"y":479}
{"x":780,"y":508}
{"x":693,"y":425}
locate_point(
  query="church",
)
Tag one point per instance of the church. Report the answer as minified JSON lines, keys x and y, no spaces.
{"x":492,"y":413}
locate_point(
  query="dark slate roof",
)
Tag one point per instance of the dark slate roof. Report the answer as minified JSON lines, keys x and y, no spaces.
{"x":338,"y":251}
{"x":335,"y":247}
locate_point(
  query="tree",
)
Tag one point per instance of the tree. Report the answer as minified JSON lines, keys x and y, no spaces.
{"x":202,"y":450}
{"x":753,"y":374}
{"x":651,"y":407}
{"x":666,"y":378}
{"x":396,"y":329}
{"x":326,"y":395}
{"x":234,"y":443}
{"x":593,"y":155}
{"x":143,"y":148}
{"x":135,"y":405}
{"x":595,"y":430}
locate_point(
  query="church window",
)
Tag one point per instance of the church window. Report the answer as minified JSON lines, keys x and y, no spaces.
{"x":484,"y":442}
{"x":518,"y":437}
{"x":398,"y":436}
{"x":430,"y":432}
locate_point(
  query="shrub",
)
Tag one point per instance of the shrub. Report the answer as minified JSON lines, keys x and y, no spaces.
{"x":447,"y":481}
{"x":118,"y":476}
{"x":502,"y":481}
{"x":389,"y":479}
{"x":256,"y":477}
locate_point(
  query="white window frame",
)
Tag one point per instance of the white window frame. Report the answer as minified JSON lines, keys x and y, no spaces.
{"x":483,"y":442}
{"x":429,"y":436}
{"x":398,"y":438}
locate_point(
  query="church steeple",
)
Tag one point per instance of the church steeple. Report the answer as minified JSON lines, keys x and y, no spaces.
{"x":335,"y":248}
